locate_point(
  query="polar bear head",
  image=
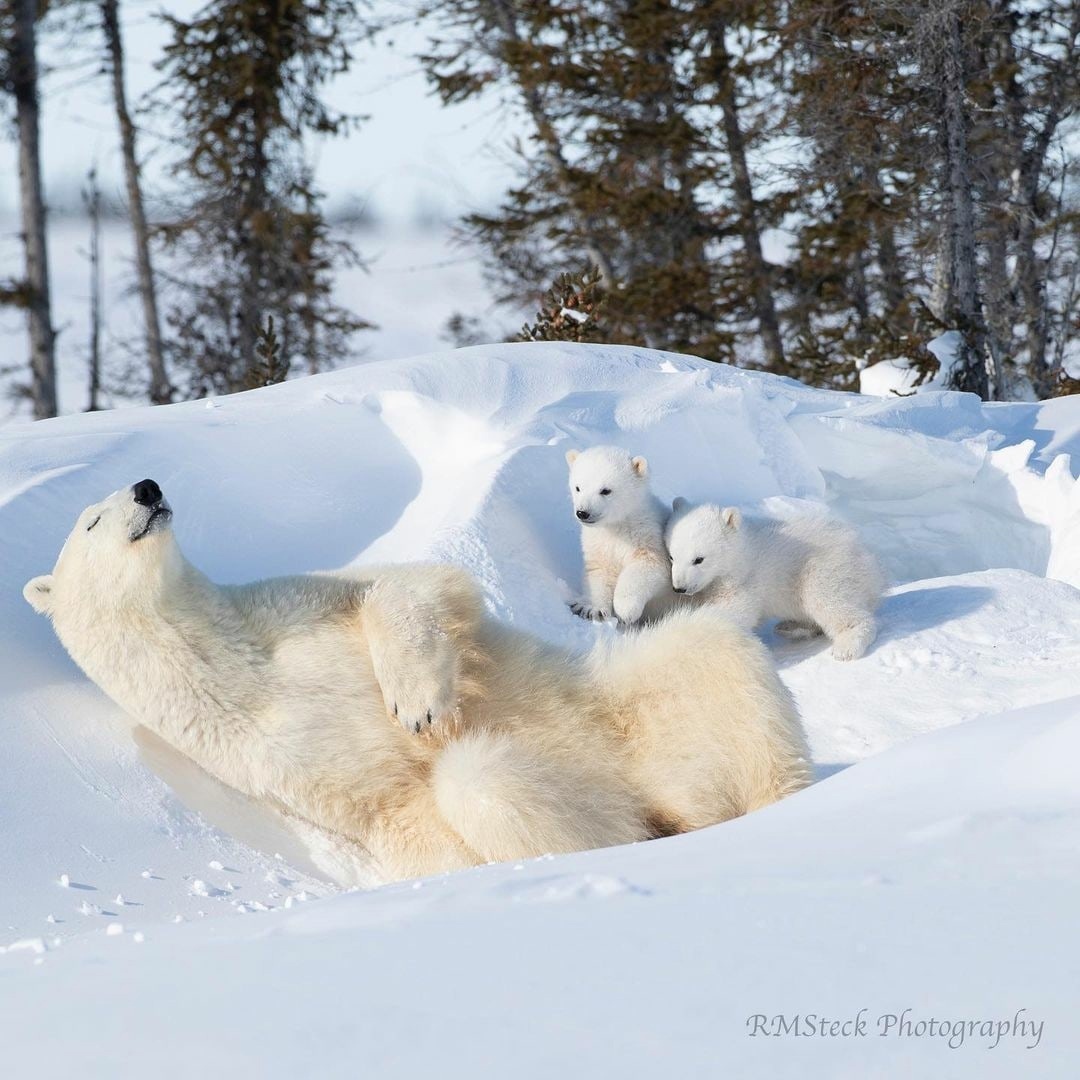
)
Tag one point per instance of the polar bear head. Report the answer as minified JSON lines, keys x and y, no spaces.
{"x":120,"y":552}
{"x":607,"y":484}
{"x":706,"y":544}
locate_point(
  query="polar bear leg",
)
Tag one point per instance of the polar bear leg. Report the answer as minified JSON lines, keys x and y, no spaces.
{"x":716,"y":734}
{"x":851,"y":633}
{"x":596,"y":604}
{"x":794,"y":630}
{"x":419,"y":624}
{"x":507,"y":803}
{"x":640,"y":581}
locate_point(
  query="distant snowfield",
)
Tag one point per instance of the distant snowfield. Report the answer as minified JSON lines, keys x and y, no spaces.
{"x":935,"y":867}
{"x":416,"y":278}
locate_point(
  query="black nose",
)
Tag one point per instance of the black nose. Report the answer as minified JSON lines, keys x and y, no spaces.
{"x":678,"y":590}
{"x":147,"y":493}
{"x":583,"y":515}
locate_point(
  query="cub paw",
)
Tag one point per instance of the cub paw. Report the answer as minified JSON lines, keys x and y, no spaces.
{"x":852,"y":643}
{"x":583,"y":609}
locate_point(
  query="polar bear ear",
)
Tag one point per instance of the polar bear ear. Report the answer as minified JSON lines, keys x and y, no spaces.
{"x":572,"y":456}
{"x":641,"y":466}
{"x":38,"y":593}
{"x":679,"y":503}
{"x":730,"y":517}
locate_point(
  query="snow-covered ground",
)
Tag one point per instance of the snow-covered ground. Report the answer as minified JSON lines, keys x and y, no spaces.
{"x":934,"y":868}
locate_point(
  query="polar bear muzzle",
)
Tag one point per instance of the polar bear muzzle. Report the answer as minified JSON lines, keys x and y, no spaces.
{"x":148,"y":495}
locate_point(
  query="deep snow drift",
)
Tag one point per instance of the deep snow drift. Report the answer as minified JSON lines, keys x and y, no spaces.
{"x":940,"y":876}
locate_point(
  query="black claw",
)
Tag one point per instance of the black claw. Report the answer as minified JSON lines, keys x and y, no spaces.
{"x":395,"y":710}
{"x":417,"y":727}
{"x":429,"y":716}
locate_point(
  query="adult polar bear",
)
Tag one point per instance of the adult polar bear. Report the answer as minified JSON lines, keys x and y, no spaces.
{"x":502,"y":747}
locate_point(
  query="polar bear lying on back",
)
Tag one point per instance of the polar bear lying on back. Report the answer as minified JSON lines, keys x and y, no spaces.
{"x":622,"y":537}
{"x":811,"y":573}
{"x":502,"y":747}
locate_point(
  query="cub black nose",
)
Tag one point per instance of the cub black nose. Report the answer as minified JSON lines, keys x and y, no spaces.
{"x":678,"y":590}
{"x":147,"y":493}
{"x":583,"y":515}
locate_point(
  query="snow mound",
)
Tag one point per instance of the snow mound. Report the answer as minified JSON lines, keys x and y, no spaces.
{"x":110,"y":838}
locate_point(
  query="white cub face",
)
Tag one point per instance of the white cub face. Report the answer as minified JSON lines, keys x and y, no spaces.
{"x":706,"y":543}
{"x":115,"y":553}
{"x":606,"y":484}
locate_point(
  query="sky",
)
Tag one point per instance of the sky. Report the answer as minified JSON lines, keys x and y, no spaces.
{"x":412,"y":156}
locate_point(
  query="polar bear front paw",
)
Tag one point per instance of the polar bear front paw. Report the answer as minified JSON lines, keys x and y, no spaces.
{"x":419,"y":687}
{"x":585,"y":610}
{"x":418,"y":720}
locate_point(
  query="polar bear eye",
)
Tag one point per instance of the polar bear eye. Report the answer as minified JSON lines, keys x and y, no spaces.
{"x":578,"y":490}
{"x":605,"y":491}
{"x":93,"y":523}
{"x":699,"y":560}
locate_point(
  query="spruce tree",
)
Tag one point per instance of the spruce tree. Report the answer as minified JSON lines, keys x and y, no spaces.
{"x":245,"y":79}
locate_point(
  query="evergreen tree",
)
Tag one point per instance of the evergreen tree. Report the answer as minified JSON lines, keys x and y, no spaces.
{"x":642,"y":132}
{"x":914,"y":153}
{"x":245,"y":80}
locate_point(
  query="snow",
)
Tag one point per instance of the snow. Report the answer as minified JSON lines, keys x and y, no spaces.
{"x":933,"y":867}
{"x":898,"y":376}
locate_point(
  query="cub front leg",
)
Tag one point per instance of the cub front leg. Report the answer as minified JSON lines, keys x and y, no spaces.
{"x":642,"y":580}
{"x":599,"y":600}
{"x":418,"y":622}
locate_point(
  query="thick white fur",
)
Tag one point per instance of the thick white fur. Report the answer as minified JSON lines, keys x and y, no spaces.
{"x":287,"y":690}
{"x":622,"y":537}
{"x":812,"y":573}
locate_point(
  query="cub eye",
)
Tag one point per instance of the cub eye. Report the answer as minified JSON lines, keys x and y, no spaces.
{"x":578,"y":490}
{"x":605,"y":491}
{"x":93,"y":523}
{"x":699,"y":560}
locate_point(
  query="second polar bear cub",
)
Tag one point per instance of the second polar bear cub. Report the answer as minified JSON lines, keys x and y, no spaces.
{"x":812,"y":573}
{"x":622,"y":536}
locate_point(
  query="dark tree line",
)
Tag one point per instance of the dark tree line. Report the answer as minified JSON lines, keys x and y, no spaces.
{"x":804,"y":186}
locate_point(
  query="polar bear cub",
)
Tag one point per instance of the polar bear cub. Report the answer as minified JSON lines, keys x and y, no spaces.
{"x":622,"y":536}
{"x":811,"y":573}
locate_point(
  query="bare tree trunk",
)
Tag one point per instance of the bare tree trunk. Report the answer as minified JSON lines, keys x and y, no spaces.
{"x":254,"y":218}
{"x":92,"y":199}
{"x":160,"y":390}
{"x":765,"y":306}
{"x":888,"y":258}
{"x":1030,"y":272}
{"x":973,"y":371}
{"x":24,"y":82}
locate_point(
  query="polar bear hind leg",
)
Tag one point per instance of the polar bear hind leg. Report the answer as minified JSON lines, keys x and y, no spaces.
{"x":794,"y":630}
{"x":712,"y":730}
{"x":508,"y":803}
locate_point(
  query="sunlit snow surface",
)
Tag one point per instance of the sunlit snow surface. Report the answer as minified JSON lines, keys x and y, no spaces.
{"x":940,"y":873}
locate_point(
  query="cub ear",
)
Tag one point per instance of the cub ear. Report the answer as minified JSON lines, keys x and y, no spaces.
{"x":730,"y":517}
{"x":38,"y":593}
{"x":641,"y":466}
{"x":572,"y":456}
{"x":679,"y":503}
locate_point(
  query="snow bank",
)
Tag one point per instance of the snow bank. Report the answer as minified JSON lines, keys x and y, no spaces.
{"x":899,"y":377}
{"x":643,"y":959}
